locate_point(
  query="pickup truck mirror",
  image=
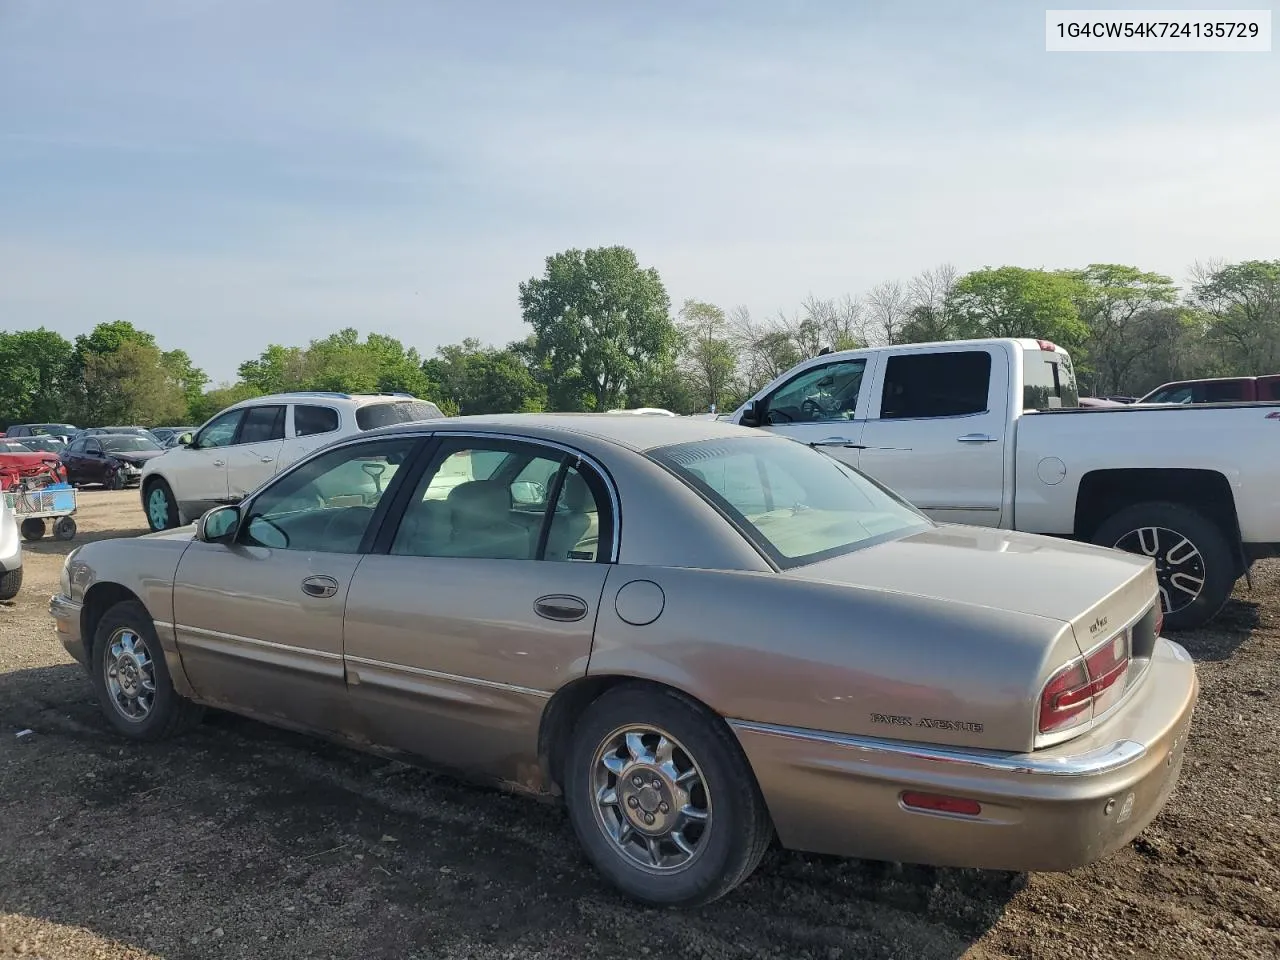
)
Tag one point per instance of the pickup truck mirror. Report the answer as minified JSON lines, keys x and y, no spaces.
{"x":753,"y":414}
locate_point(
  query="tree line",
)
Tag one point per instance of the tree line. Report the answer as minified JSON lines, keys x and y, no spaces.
{"x":601,"y":334}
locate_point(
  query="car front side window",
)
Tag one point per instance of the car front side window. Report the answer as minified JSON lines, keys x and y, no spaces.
{"x":220,"y":432}
{"x":327,"y":505}
{"x":827,"y":392}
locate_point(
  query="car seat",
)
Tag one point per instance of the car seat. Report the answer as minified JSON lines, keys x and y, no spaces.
{"x":480,"y":518}
{"x":568,"y":528}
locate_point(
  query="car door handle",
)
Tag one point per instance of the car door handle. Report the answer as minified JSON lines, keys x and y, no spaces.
{"x":560,"y":607}
{"x":219,"y":463}
{"x":268,"y":459}
{"x":320,"y":586}
{"x":977,"y":438}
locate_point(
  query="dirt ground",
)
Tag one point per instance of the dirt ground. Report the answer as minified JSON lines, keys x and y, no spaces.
{"x":242,"y":841}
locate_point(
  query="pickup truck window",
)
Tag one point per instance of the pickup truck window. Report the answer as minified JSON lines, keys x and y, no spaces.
{"x":923,"y":385}
{"x":1224,"y":391}
{"x":1048,"y":382}
{"x":828,"y":392}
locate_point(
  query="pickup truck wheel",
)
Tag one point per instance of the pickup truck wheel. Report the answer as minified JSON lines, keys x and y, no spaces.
{"x":1195,"y":565}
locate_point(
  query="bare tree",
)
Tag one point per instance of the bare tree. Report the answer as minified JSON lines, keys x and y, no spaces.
{"x":929,"y":316}
{"x":838,"y":323}
{"x":887,"y":308}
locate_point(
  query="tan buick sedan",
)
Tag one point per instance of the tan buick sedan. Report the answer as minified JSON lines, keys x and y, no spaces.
{"x":700,"y":637}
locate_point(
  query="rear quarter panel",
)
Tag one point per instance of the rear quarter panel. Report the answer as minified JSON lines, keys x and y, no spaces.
{"x":1240,"y":442}
{"x":773,"y":649}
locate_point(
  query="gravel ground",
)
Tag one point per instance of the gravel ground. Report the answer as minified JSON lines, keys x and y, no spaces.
{"x":243,"y":841}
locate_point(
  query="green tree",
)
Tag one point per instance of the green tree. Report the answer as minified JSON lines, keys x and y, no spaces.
{"x":601,"y":324}
{"x":1018,"y":302}
{"x":1242,"y":301}
{"x":218,"y":399}
{"x":37,"y":376}
{"x":708,"y":357}
{"x":185,"y":376}
{"x":129,"y":385}
{"x":477,"y":379}
{"x":340,"y":362}
{"x":276,"y":370}
{"x":108,"y":338}
{"x":1109,"y":297}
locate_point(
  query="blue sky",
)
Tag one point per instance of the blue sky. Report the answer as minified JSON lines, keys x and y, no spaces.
{"x":230,"y":173}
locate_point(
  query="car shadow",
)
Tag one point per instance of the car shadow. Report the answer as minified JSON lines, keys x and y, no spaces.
{"x":1219,"y":639}
{"x":48,"y":546}
{"x":243,"y":839}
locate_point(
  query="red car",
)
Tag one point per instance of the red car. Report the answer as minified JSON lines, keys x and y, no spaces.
{"x":19,"y":462}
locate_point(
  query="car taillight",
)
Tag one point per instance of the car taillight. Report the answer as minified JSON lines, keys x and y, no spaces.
{"x":1071,"y":694}
{"x":1048,"y":346}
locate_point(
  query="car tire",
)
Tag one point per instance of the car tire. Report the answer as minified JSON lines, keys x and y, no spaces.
{"x":727,"y":830}
{"x":132,"y":680}
{"x":65,"y":529}
{"x":10,"y":584}
{"x":33,"y":528}
{"x":161,"y":516}
{"x":1187,"y":547}
{"x":114,"y":480}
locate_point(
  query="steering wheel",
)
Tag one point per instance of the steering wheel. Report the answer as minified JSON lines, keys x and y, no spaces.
{"x":812,"y":408}
{"x":355,"y":520}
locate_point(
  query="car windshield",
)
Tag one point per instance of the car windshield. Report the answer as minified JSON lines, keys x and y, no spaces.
{"x":42,"y":444}
{"x":374,"y":415}
{"x":126,"y":443}
{"x":798,"y":505}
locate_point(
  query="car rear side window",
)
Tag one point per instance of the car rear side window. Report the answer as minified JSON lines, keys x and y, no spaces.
{"x":262,"y":424}
{"x":308,"y":421}
{"x":374,"y":415}
{"x":923,"y":385}
{"x":1226,"y":391}
{"x":1048,"y":382}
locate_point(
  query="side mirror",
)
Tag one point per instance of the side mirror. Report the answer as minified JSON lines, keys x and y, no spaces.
{"x":218,"y":525}
{"x":753,"y":414}
{"x":528,"y":493}
{"x":186,"y":440}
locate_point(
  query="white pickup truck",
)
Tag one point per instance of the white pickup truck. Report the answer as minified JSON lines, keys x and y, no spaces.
{"x":989,"y":432}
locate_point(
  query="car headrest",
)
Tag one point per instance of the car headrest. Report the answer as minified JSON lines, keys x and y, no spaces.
{"x":576,"y":495}
{"x":487,"y":500}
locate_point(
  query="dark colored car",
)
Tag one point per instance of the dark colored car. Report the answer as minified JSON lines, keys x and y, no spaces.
{"x":112,"y":459}
{"x":169,"y":436}
{"x":1217,"y":390}
{"x":44,"y":444}
{"x":21,"y":431}
{"x":99,"y":431}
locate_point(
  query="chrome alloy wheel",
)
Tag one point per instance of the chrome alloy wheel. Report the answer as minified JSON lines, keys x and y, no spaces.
{"x":130,"y":675}
{"x":1180,"y":569}
{"x":651,"y":798}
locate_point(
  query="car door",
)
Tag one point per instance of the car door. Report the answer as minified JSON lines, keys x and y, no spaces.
{"x":259,"y":621}
{"x":937,"y":433}
{"x":253,"y":455}
{"x":92,"y":462}
{"x":311,"y":426}
{"x":823,"y":404}
{"x":198,"y":473}
{"x":72,"y":458}
{"x":477,"y":605}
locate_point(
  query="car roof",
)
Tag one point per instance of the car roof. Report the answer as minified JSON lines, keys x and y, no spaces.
{"x":636,"y":433}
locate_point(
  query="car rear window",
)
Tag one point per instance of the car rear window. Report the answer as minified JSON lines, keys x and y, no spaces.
{"x":1049,"y":383}
{"x":374,"y":415}
{"x":797,"y":505}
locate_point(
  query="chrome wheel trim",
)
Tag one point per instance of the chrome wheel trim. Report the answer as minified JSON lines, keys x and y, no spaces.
{"x":158,"y":507}
{"x":1180,"y":568}
{"x":130,"y":675}
{"x":651,"y":798}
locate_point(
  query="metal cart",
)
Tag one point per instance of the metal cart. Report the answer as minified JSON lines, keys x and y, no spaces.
{"x":33,"y":508}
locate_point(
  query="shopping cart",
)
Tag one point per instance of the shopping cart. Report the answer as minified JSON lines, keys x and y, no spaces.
{"x":32,"y":508}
